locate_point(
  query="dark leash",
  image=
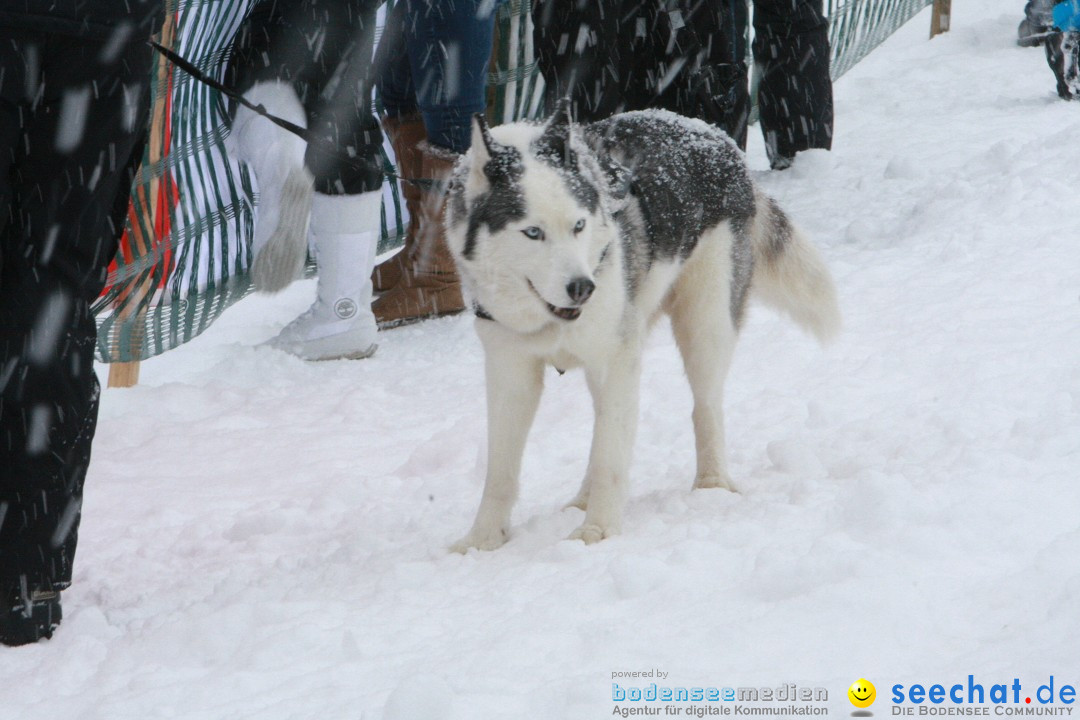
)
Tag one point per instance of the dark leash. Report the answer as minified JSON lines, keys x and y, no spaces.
{"x":300,"y":132}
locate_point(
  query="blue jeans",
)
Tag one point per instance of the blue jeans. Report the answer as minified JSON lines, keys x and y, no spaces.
{"x":434,"y":58}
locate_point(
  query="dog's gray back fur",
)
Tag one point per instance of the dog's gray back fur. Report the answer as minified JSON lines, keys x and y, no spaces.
{"x":685,"y":177}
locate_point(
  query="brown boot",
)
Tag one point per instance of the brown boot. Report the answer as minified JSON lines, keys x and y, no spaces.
{"x":431,"y":287}
{"x":405,"y":134}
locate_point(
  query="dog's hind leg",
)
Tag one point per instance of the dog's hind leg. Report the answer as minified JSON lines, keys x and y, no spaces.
{"x":615,"y":398}
{"x":705,"y":333}
{"x":514,"y":383}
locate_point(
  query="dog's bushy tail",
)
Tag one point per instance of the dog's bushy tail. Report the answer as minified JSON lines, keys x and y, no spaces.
{"x":789,"y":274}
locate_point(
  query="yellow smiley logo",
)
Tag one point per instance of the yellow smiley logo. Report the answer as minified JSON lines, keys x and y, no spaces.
{"x":862,"y":693}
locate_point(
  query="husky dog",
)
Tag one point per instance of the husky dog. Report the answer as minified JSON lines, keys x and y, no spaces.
{"x":571,"y":240}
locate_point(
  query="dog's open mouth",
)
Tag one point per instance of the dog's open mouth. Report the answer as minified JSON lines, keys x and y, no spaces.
{"x":559,"y":312}
{"x":564,"y":313}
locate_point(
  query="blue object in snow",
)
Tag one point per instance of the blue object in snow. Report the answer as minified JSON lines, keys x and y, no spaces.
{"x":1067,"y":16}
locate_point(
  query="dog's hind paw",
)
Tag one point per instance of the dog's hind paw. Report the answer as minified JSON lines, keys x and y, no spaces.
{"x":481,"y":540}
{"x":715,"y":481}
{"x":590,"y":534}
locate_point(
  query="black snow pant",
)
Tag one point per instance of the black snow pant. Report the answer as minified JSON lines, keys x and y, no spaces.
{"x":72,"y":113}
{"x":323,"y":48}
{"x":795,"y":101}
{"x":609,"y":57}
{"x":690,"y":58}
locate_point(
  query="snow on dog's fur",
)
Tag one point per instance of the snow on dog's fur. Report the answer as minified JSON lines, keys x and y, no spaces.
{"x":571,"y":240}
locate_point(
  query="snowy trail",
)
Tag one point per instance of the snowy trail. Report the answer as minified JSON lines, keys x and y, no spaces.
{"x":266,"y":538}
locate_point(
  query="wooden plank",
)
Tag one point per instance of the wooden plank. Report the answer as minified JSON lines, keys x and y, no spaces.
{"x":939,"y":17}
{"x":124,"y":374}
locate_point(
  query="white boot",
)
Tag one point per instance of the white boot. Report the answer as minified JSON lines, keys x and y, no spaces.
{"x":276,"y":156}
{"x":340,"y":324}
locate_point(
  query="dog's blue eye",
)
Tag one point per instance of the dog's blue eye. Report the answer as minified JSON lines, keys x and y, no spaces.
{"x":533,"y":233}
{"x":579,"y":225}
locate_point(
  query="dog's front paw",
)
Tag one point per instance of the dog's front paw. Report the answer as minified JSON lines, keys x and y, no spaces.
{"x":714,"y":481}
{"x":589,"y":533}
{"x":483,"y":539}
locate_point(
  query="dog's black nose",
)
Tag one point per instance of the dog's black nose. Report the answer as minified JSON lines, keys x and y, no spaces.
{"x":579,"y":289}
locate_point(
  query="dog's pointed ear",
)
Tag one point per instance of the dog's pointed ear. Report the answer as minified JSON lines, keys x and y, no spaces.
{"x":482,"y":149}
{"x":554,"y":142}
{"x":491,"y":159}
{"x":483,"y":145}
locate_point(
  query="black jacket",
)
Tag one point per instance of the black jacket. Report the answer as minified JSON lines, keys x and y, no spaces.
{"x":82,"y":18}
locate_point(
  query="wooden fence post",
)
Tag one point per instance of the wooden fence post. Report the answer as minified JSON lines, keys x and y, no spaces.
{"x":939,"y":17}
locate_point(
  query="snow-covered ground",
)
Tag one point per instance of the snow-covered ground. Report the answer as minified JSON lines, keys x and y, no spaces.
{"x":267,"y":538}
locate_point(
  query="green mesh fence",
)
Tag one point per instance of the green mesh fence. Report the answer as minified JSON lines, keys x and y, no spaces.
{"x":858,"y":26}
{"x":186,"y":252}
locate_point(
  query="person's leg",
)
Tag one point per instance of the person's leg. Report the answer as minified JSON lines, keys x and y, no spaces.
{"x":394,"y":78}
{"x":580,"y":51}
{"x":60,"y":187}
{"x":1063,"y":56}
{"x":404,"y":128}
{"x":344,"y":157}
{"x":1063,"y":48}
{"x":320,"y":193}
{"x":713,"y":83}
{"x":795,"y":103}
{"x":687,"y":57}
{"x":343,"y":152}
{"x":448,"y":45}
